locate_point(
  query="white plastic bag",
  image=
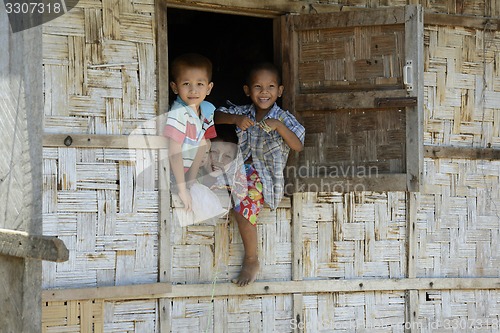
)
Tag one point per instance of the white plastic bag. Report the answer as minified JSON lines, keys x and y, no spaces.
{"x":206,"y":207}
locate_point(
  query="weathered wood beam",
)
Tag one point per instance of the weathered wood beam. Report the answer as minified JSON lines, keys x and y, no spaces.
{"x":165,"y":290}
{"x":344,"y":101}
{"x":329,"y":286}
{"x":461,"y":21}
{"x":105,"y":141}
{"x":137,"y":291}
{"x":21,"y":244}
{"x":380,"y":182}
{"x":461,"y":152}
{"x":259,"y":8}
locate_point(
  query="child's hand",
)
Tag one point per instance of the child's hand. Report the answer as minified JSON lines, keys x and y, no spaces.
{"x":186,"y":199}
{"x":243,"y":122}
{"x":273,"y":123}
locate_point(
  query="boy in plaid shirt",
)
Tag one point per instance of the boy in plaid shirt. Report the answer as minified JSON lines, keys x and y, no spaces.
{"x":266,"y":133}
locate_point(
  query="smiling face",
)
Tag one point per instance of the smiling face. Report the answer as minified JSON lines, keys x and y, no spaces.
{"x":192,"y":85}
{"x":263,"y":89}
{"x":222,"y":154}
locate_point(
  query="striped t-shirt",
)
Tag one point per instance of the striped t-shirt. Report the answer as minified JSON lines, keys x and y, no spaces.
{"x":184,"y":126}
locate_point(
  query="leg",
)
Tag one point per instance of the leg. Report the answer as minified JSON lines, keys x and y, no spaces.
{"x":251,"y":265}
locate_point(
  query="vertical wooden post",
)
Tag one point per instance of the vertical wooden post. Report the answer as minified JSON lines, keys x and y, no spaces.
{"x":164,"y":249}
{"x":297,"y":257}
{"x":21,"y":119}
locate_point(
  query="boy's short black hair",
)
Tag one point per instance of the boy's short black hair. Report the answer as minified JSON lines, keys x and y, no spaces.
{"x":226,"y":133}
{"x":267,"y":66}
{"x":193,"y":60}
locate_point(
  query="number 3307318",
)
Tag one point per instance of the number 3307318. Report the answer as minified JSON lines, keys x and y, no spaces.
{"x":33,"y":8}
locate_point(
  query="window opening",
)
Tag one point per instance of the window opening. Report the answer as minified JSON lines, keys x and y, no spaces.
{"x":231,"y":42}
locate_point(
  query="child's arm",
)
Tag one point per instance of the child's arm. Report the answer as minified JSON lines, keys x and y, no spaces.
{"x":288,"y":136}
{"x":175,"y":155}
{"x":243,"y":122}
{"x":195,"y":167}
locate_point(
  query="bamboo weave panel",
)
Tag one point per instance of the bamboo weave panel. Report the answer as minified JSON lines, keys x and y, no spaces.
{"x":99,"y":68}
{"x":354,"y":142}
{"x":474,"y":8}
{"x":354,"y":312}
{"x":463,"y":311}
{"x":359,"y":57}
{"x":458,"y":219}
{"x":334,"y":312}
{"x":235,"y":314}
{"x":205,"y":253}
{"x":103,"y":203}
{"x":357,"y":234}
{"x":99,"y":316}
{"x":461,"y":95}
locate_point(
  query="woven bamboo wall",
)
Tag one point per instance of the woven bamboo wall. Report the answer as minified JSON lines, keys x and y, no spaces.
{"x":99,"y":76}
{"x":104,"y":206}
{"x":462,"y":87}
{"x":355,"y":142}
{"x":204,"y":253}
{"x":99,"y":316}
{"x":99,"y":79}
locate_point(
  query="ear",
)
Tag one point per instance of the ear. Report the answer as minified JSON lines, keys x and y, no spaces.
{"x":174,"y":87}
{"x":280,"y":90}
{"x":210,"y":87}
{"x":246,"y":89}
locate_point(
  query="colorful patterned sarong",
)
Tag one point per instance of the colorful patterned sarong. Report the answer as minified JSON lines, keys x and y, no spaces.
{"x":250,"y":206}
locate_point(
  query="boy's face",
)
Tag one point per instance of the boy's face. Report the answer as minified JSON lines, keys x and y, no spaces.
{"x":192,"y":86}
{"x":263,"y":90}
{"x":221,"y":155}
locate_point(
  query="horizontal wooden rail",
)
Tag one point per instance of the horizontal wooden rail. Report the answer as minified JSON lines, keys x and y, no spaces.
{"x":477,"y":22}
{"x":377,"y":182}
{"x":105,"y":141}
{"x":135,"y":291}
{"x":329,"y":286}
{"x":461,"y":152}
{"x":165,"y":290}
{"x":21,"y":244}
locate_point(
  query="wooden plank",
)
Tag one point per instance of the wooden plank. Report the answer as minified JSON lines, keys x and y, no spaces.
{"x":380,"y":182}
{"x":461,"y":152}
{"x":21,"y":244}
{"x":129,"y":292}
{"x":414,"y":42}
{"x":390,"y":102}
{"x":298,"y":316}
{"x":164,"y":214}
{"x":297,"y":248}
{"x":348,"y":100}
{"x":489,"y":23}
{"x":259,"y":8}
{"x":21,"y":126}
{"x":330,"y":286}
{"x":385,"y":16}
{"x":105,"y":141}
{"x":412,"y":305}
{"x":166,"y":290}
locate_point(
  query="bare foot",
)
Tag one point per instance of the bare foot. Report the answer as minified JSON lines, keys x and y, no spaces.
{"x":248,"y":272}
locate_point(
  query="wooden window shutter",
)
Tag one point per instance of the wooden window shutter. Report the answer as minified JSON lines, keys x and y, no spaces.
{"x":355,"y":80}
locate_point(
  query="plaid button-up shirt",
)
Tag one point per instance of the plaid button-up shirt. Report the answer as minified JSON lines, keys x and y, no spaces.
{"x":269,"y":151}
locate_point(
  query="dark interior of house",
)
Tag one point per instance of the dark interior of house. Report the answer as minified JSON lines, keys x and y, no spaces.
{"x":232,"y":42}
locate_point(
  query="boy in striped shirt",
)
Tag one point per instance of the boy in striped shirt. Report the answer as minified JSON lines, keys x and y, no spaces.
{"x":190,"y":120}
